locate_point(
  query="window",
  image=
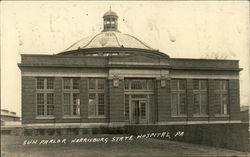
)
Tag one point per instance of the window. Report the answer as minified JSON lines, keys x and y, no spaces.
{"x":178,"y":97}
{"x":45,"y":96}
{"x":126,"y":108}
{"x":45,"y":83}
{"x":96,"y":97}
{"x":200,"y":97}
{"x":71,"y":83}
{"x":45,"y":104}
{"x":138,"y":84}
{"x":221,"y":97}
{"x":71,"y":97}
{"x":71,"y":104}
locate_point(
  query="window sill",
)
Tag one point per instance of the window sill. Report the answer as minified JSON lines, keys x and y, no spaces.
{"x":221,"y":115}
{"x":198,"y":115}
{"x":71,"y":117}
{"x":45,"y":117}
{"x":96,"y":117}
{"x":178,"y":116}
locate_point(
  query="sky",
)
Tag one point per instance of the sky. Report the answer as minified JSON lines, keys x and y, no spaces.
{"x":181,"y":29}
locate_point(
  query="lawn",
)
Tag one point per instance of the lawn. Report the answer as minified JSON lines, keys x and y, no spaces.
{"x":104,"y":146}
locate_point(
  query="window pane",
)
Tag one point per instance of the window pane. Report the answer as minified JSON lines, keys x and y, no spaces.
{"x":126,"y":84}
{"x":196,"y":84}
{"x":224,"y":103}
{"x":174,"y":104}
{"x":66,"y":83}
{"x":196,"y":104}
{"x":150,"y":84}
{"x":139,"y":84}
{"x":204,"y":107}
{"x":50,"y":110}
{"x":174,"y":84}
{"x":217,"y":84}
{"x":126,"y":108}
{"x":40,"y":83}
{"x":91,"y":83}
{"x":50,"y":83}
{"x":203,"y":84}
{"x":76,"y":99}
{"x":101,"y":83}
{"x":40,"y":99}
{"x":224,"y":85}
{"x":40,"y":110}
{"x":76,"y":83}
{"x":66,"y":107}
{"x":217,"y":102}
{"x":67,"y":98}
{"x":182,"y":104}
{"x":92,"y":105}
{"x":101,"y":104}
{"x":182,"y":84}
{"x":50,"y":98}
{"x":143,"y":111}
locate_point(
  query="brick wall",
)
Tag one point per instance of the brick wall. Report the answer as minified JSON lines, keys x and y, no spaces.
{"x":28,"y":99}
{"x":116,"y":99}
{"x":164,"y":101}
{"x":234,"y":99}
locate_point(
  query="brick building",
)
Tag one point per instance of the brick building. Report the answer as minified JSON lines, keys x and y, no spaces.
{"x":116,"y":79}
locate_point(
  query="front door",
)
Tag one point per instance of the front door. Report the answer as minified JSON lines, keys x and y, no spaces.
{"x":139,"y":112}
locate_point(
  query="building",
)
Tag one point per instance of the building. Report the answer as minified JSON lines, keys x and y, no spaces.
{"x":8,"y":116}
{"x":116,"y":79}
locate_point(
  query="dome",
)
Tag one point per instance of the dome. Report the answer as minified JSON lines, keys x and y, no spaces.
{"x":110,"y":13}
{"x":109,"y":39}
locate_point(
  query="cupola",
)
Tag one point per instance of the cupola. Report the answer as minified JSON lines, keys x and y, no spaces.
{"x":110,"y":21}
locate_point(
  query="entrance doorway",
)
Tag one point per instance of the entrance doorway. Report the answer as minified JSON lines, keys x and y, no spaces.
{"x":139,"y":112}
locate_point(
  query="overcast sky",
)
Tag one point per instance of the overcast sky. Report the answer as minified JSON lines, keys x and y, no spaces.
{"x":177,"y":28}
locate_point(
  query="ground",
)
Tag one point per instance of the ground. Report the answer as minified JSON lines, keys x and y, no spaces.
{"x":15,"y":146}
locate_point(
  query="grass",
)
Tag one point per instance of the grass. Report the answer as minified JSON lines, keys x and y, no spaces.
{"x":12,"y":146}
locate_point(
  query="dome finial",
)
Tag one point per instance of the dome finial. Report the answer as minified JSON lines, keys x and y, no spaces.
{"x":110,"y":8}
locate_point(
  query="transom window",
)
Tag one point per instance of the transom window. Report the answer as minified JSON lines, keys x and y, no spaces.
{"x":138,"y":84}
{"x":178,"y":97}
{"x":45,"y":83}
{"x":200,"y":97}
{"x":221,"y":96}
{"x":96,"y":107}
{"x":71,"y":83}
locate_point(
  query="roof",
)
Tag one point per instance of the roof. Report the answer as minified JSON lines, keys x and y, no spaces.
{"x":109,"y":39}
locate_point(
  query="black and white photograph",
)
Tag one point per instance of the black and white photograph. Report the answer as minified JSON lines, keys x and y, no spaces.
{"x":125,"y":78}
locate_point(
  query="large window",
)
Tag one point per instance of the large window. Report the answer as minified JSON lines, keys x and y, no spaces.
{"x":221,"y":97}
{"x":71,"y":97}
{"x":200,"y":97}
{"x":178,"y":97}
{"x":96,"y":97}
{"x":71,"y":106}
{"x":45,"y":97}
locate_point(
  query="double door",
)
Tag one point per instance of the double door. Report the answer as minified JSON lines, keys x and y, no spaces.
{"x":139,"y":112}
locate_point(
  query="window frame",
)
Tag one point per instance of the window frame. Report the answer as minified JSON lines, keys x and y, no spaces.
{"x":45,"y":91}
{"x":71,"y":91}
{"x":221,"y":92}
{"x":45,"y":104}
{"x":178,"y":92}
{"x":201,"y":92}
{"x":96,"y":91}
